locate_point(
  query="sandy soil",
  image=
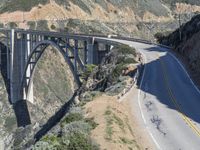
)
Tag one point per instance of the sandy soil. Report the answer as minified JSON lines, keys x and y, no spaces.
{"x":122,"y":117}
{"x":53,"y":12}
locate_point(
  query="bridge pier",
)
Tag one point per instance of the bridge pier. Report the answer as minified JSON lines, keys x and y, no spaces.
{"x":17,"y":65}
{"x":93,"y":52}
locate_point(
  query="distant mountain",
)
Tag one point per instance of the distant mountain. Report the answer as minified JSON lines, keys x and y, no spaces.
{"x":156,"y":7}
{"x":125,"y":17}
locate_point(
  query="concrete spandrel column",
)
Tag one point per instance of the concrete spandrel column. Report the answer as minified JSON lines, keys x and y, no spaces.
{"x":28,"y":72}
{"x":75,"y":54}
{"x":90,"y":53}
{"x":8,"y":55}
{"x":13,"y":35}
{"x":28,"y":94}
{"x":85,"y":52}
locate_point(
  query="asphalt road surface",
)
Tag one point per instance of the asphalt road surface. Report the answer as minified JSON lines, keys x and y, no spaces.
{"x":168,"y":100}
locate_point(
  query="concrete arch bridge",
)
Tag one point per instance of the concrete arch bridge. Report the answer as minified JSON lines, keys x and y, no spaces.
{"x":21,"y":50}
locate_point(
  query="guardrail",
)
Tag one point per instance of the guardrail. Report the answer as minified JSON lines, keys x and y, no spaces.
{"x":75,"y":35}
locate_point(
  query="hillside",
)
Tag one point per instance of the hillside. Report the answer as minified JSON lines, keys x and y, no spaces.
{"x":185,"y":42}
{"x":128,"y":17}
{"x":53,"y":87}
{"x":53,"y":84}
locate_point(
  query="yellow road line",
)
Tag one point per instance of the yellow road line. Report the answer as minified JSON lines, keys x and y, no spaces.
{"x":173,"y":100}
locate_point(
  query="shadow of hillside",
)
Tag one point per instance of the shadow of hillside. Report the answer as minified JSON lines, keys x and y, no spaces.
{"x":184,"y":93}
{"x":56,"y":118}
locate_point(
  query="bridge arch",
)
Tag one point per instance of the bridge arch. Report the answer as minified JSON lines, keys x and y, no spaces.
{"x":33,"y":58}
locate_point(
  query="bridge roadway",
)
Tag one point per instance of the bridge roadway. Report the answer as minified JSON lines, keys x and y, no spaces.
{"x":168,"y":100}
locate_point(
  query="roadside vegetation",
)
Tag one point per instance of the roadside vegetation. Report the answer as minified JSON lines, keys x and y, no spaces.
{"x":73,"y":132}
{"x":111,"y":74}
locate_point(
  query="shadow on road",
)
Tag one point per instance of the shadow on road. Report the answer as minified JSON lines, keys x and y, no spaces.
{"x":157,"y":82}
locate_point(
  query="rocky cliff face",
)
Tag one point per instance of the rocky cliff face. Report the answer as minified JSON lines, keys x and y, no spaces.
{"x":185,"y":41}
{"x":7,"y":118}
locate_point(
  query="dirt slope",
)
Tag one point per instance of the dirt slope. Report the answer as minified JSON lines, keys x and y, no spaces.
{"x":118,"y":127}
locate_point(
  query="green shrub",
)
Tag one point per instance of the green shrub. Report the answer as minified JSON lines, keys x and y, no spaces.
{"x":41,"y":145}
{"x":88,"y":70}
{"x":31,"y":24}
{"x":71,"y":118}
{"x":76,"y":110}
{"x":53,"y":27}
{"x":79,"y":141}
{"x":12,"y":25}
{"x":129,"y":61}
{"x":49,"y":142}
{"x":76,"y":126}
{"x":42,"y":25}
{"x":125,"y":49}
{"x":118,"y":70}
{"x":50,"y":138}
{"x":91,"y":122}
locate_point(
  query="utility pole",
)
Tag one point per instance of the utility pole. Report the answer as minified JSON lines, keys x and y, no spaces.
{"x":179,"y":20}
{"x":178,"y":16}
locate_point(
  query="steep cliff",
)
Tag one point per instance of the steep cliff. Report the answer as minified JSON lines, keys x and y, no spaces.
{"x":185,"y":41}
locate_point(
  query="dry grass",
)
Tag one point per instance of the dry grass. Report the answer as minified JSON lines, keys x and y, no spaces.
{"x":115,"y":130}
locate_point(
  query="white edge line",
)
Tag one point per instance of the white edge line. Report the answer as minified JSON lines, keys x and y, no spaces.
{"x":153,"y":138}
{"x":185,"y":71}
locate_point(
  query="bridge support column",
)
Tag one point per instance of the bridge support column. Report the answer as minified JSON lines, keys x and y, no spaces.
{"x":20,"y":50}
{"x":28,"y":96}
{"x":17,"y":62}
{"x":75,"y":55}
{"x":13,"y":67}
{"x":93,"y":52}
{"x":85,"y":52}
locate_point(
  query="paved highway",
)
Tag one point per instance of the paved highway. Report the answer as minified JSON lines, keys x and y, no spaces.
{"x":168,"y":100}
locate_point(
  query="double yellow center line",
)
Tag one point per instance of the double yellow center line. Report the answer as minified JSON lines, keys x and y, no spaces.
{"x":174,"y":101}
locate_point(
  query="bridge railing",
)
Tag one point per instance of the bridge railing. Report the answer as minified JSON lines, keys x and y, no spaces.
{"x":83,"y":36}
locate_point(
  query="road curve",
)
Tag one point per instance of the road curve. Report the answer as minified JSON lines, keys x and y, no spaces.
{"x":168,"y":100}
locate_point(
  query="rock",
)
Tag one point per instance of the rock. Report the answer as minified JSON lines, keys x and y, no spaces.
{"x":76,"y":100}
